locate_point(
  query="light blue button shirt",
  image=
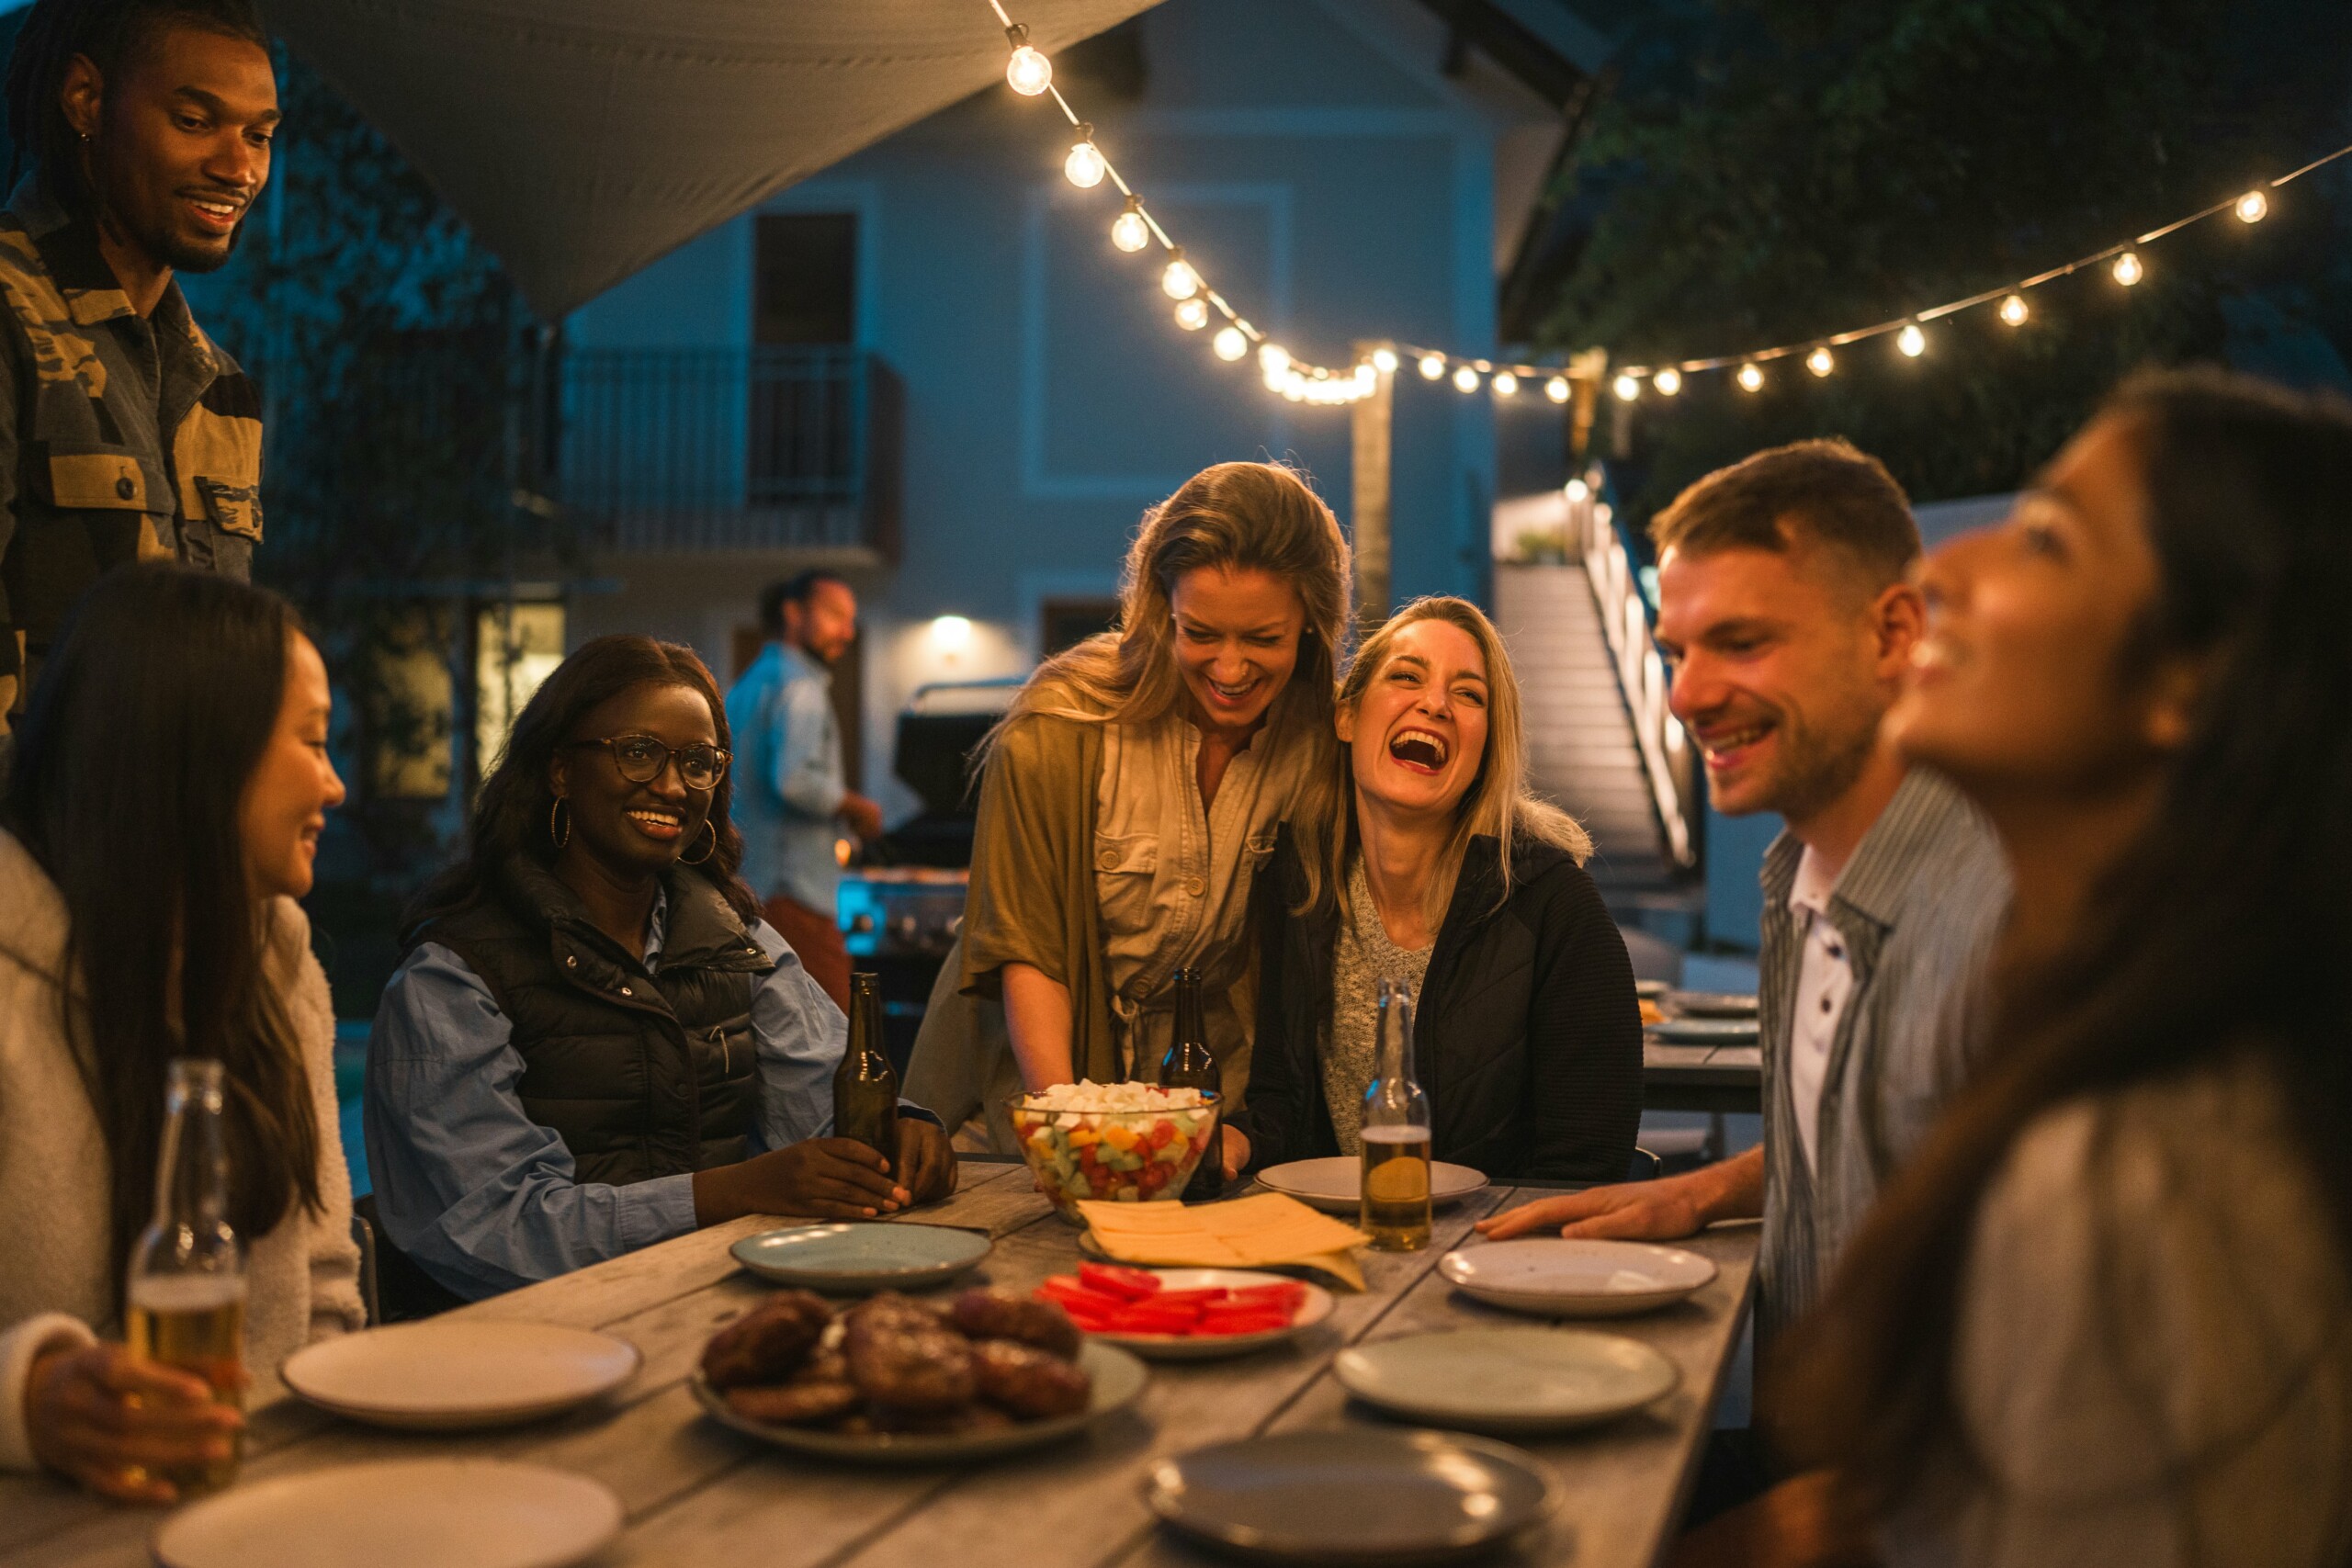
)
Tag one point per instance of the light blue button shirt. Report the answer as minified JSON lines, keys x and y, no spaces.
{"x":788,"y":779}
{"x":483,"y":1197}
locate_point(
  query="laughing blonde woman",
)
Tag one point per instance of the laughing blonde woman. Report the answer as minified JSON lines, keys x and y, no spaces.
{"x":1132,"y":794}
{"x":1445,"y":872}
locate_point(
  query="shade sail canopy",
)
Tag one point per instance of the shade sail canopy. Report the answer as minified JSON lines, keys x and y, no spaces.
{"x":582,"y":139}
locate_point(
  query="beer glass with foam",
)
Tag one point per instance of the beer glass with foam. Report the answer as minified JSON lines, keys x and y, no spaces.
{"x":185,"y":1304}
{"x":1395,"y":1212}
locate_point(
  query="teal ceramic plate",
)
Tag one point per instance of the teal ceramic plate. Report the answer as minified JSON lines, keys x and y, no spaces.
{"x":1507,"y":1379}
{"x":1118,"y":1377}
{"x":862,"y":1256}
{"x":1363,"y":1496}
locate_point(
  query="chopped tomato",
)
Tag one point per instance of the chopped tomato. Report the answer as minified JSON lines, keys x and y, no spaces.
{"x":1128,"y":1284}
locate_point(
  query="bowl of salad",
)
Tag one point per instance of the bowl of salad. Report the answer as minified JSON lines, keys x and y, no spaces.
{"x":1126,"y":1142}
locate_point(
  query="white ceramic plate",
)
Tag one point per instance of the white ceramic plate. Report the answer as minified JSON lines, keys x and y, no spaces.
{"x":1559,"y":1276}
{"x":1215,"y":1346}
{"x":1706,"y":1030}
{"x":450,"y":1513}
{"x":1714,"y":1004}
{"x":1118,"y":1380}
{"x":861,"y":1255}
{"x":450,"y":1372}
{"x":1507,"y":1379}
{"x":1336,"y":1185}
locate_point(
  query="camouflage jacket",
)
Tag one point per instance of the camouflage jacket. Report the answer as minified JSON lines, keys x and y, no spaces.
{"x":122,"y":438}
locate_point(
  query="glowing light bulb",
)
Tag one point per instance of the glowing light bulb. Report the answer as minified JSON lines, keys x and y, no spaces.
{"x":1274,"y":358}
{"x":1668,"y":381}
{"x":1821,"y":362}
{"x":1084,"y":166}
{"x":1230,"y":344}
{"x":1577,"y":490}
{"x":1751,"y":376}
{"x":1029,"y":72}
{"x":1506,"y":384}
{"x":1911,"y":340}
{"x":1556,"y":388}
{"x":2014,"y":309}
{"x":2252,"y":207}
{"x":2128,"y":270}
{"x":1385,"y":361}
{"x":951,"y":634}
{"x":1432,"y":366}
{"x":1179,"y":281}
{"x":1294,"y":387}
{"x":1367,"y":377}
{"x":1627,"y":387}
{"x":1466,"y":379}
{"x":1128,"y":230}
{"x":1193,"y":314}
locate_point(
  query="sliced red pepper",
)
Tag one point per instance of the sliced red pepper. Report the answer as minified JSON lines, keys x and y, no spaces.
{"x":1128,"y":1284}
{"x":1258,"y":1322}
{"x":1289,"y":1295}
{"x":1214,"y":1295}
{"x":1150,"y":1317}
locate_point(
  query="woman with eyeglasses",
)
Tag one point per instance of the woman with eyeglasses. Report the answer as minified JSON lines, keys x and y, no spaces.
{"x":594,"y":1042}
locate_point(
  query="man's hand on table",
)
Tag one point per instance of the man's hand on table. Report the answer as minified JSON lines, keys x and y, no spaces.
{"x":926,"y":1166}
{"x":109,"y":1419}
{"x":826,"y":1178}
{"x":1666,"y":1210}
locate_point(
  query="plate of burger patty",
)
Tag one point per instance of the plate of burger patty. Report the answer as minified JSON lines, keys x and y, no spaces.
{"x":895,"y":1380}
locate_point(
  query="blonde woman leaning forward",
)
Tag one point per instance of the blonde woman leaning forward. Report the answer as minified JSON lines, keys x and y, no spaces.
{"x":1447,"y":873}
{"x":1131,"y":795}
{"x":169,"y":784}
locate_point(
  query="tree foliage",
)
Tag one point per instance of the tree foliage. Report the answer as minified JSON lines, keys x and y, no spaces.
{"x":1770,"y":171}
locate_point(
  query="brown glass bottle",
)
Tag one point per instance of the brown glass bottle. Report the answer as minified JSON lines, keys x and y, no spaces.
{"x":1189,"y":1065}
{"x":865,"y":1087}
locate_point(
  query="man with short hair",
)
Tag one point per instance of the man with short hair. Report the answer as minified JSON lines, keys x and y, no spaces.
{"x":125,"y":433}
{"x":1786,"y":610}
{"x":790,"y":790}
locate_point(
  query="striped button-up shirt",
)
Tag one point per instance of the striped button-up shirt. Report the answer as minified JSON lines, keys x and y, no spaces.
{"x":1919,"y":906}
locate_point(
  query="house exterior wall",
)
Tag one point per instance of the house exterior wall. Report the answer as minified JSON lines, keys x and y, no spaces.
{"x":1318,"y":168}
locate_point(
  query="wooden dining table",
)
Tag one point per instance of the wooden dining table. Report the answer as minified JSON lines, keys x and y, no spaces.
{"x":696,"y":1493}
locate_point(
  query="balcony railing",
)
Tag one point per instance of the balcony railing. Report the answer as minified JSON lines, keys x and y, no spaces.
{"x":691,"y":450}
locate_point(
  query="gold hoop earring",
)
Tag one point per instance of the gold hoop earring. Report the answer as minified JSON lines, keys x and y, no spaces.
{"x":683,"y":860}
{"x":559,"y":837}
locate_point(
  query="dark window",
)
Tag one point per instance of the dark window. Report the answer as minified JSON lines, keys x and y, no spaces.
{"x":806,"y":265}
{"x":1066,"y":622}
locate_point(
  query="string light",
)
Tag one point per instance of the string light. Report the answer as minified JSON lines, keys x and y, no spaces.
{"x":1575,"y":490}
{"x":1751,"y":376}
{"x":1628,"y":387}
{"x":1179,"y":281}
{"x":1028,"y":73}
{"x":2252,"y":207}
{"x":2128,"y":270}
{"x":1668,"y":381}
{"x":1821,"y":362}
{"x":1556,"y":388}
{"x":1085,"y":167}
{"x":1506,"y":384}
{"x":1128,"y":230}
{"x":1432,"y":366}
{"x":1230,"y":344}
{"x":1466,"y":379}
{"x":1385,"y":361}
{"x":1911,"y":340}
{"x":1193,"y":314}
{"x":2015,"y":311}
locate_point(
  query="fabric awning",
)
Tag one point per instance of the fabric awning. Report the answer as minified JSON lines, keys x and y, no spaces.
{"x":584,"y":138}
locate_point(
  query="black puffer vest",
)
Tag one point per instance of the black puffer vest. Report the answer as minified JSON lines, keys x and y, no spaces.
{"x":641,"y":1073}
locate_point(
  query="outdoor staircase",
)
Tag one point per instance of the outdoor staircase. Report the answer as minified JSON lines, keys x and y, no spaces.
{"x":1581,"y":748}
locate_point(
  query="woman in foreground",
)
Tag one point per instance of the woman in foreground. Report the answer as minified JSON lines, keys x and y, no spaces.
{"x":1447,"y":874}
{"x":170,"y":782}
{"x":2106,"y":1317}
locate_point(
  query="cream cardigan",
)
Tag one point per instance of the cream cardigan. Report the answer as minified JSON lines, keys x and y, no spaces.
{"x":56,"y":1285}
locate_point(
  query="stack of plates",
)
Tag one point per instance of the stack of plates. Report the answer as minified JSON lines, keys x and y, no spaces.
{"x":1558,"y":1276}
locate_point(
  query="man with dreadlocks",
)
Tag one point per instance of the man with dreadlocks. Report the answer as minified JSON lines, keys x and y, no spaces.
{"x":125,"y":433}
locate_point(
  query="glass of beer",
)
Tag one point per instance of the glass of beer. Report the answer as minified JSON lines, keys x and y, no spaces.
{"x":1396,"y":1190}
{"x":186,"y":1298}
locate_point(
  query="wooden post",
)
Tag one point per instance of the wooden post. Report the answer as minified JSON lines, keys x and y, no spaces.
{"x":1374,"y":415}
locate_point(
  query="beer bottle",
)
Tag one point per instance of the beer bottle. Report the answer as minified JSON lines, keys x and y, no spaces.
{"x":1189,"y":1065}
{"x":1396,"y":1133}
{"x":865,"y":1087}
{"x":186,"y":1295}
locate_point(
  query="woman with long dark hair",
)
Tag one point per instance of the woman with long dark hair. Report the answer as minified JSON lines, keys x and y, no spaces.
{"x":594,"y":1042}
{"x":2106,"y":1315}
{"x":169,"y":784}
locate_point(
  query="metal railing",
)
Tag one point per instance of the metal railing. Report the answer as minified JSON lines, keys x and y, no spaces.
{"x":714,"y":448}
{"x":1626,"y":615}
